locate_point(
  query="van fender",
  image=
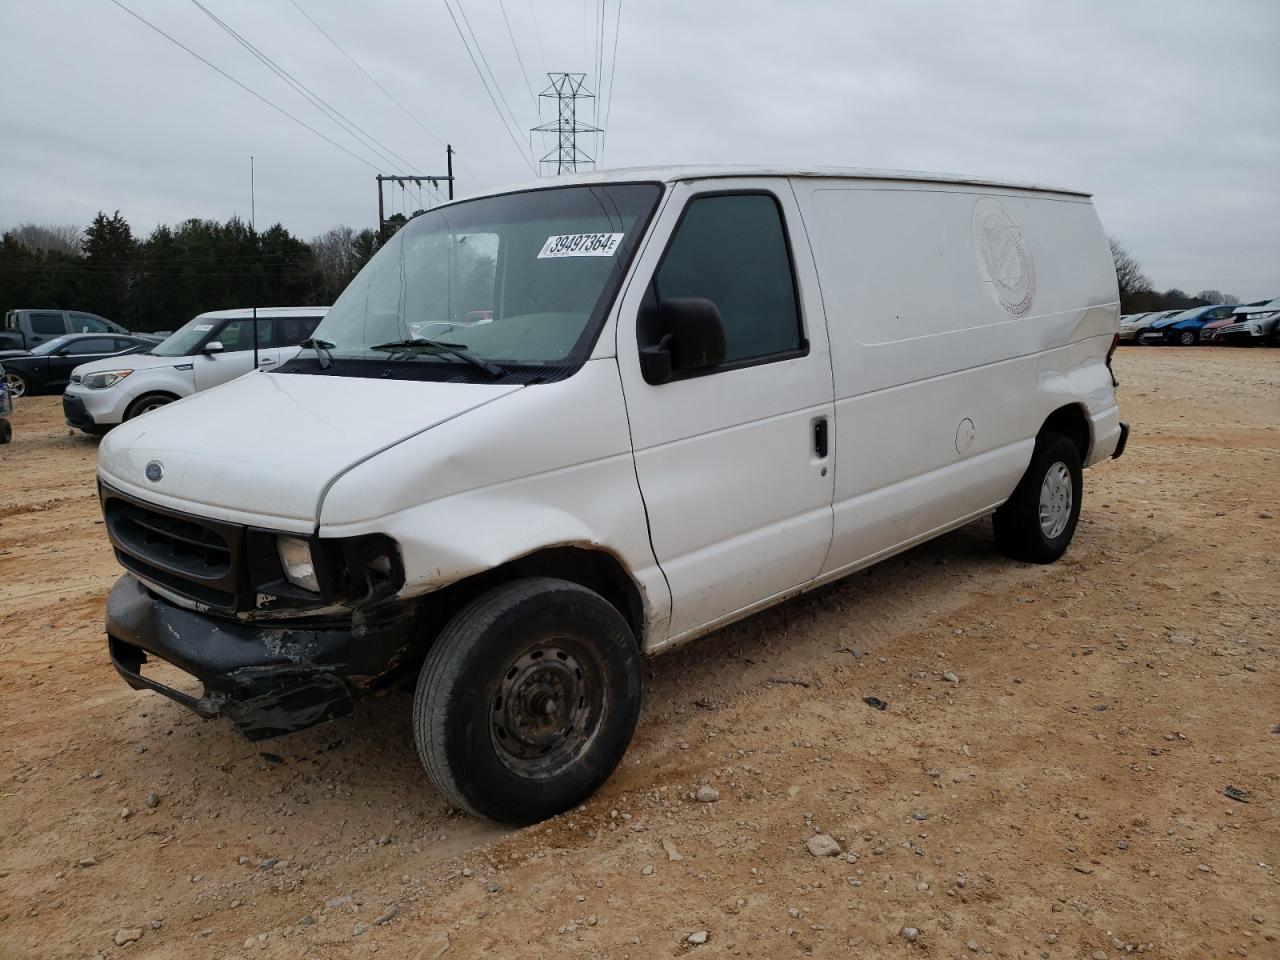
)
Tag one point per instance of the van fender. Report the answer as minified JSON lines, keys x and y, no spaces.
{"x":592,"y":506}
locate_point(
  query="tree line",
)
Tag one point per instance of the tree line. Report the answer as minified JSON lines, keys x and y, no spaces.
{"x":1137,"y":295}
{"x":161,"y":281}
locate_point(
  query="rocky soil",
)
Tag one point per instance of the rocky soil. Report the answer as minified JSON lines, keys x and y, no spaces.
{"x":1076,"y":761}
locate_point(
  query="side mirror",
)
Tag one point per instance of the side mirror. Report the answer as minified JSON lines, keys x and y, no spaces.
{"x":694,"y":339}
{"x":213,"y":346}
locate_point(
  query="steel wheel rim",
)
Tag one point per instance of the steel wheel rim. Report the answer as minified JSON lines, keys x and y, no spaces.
{"x":1056,"y":498}
{"x":153,"y":405}
{"x":547,"y":709}
{"x":16,"y":386}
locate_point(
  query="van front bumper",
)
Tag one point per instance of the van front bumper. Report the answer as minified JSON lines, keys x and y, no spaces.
{"x":268,"y":680}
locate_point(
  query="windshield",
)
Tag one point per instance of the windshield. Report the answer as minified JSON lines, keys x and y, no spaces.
{"x":520,"y":279}
{"x":49,"y":346}
{"x":186,"y":340}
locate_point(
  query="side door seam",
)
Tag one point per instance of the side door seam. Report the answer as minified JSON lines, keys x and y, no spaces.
{"x":831,"y":363}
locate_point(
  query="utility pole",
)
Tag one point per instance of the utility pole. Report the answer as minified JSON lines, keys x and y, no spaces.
{"x":566,"y":89}
{"x":435,"y":179}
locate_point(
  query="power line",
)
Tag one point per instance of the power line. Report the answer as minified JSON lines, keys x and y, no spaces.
{"x":492,"y":100}
{"x":367,"y":140}
{"x":368,"y":76}
{"x":485,"y":60}
{"x":302,"y":123}
{"x":613,"y":71}
{"x":519,"y":59}
{"x":537,"y":35}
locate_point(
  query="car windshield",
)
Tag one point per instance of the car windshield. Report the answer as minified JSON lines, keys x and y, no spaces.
{"x":519,"y":279}
{"x":186,"y":340}
{"x":1186,"y":314}
{"x":49,"y":346}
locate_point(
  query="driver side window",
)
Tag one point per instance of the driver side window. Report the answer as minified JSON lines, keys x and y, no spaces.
{"x":732,"y":250}
{"x":238,"y":334}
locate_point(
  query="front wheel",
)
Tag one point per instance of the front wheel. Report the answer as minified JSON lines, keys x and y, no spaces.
{"x":1036,"y":523}
{"x":145,"y":404}
{"x":1187,"y":338}
{"x":17,"y":384}
{"x":527,"y":700}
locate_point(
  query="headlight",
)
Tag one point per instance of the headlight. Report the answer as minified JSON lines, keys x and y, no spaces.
{"x":104,"y":379}
{"x":295,"y":557}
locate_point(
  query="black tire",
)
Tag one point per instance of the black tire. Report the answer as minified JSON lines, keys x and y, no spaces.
{"x":19,"y":386}
{"x":146,"y":403}
{"x":1188,"y":338}
{"x":6,"y":431}
{"x":1020,"y":532}
{"x":547,"y":656}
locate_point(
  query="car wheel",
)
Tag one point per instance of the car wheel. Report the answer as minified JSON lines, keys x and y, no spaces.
{"x":17,"y":384}
{"x":6,"y":431}
{"x":527,"y":700}
{"x":1037,"y":523}
{"x":145,"y":404}
{"x":1187,"y":338}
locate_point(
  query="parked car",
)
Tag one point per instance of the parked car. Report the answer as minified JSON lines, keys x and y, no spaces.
{"x":1134,"y":324}
{"x":47,"y":368}
{"x":6,"y":410}
{"x":27,"y":329}
{"x":1183,"y":328}
{"x":1254,"y":323}
{"x":210,"y":349}
{"x":685,"y":407}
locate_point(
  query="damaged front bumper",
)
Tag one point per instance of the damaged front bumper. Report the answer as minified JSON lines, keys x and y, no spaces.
{"x":268,"y":679}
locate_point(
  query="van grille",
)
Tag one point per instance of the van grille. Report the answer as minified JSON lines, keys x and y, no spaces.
{"x":191,"y":556}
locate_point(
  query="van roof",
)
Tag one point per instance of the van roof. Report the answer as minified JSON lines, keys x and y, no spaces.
{"x":265,"y":312}
{"x":677,"y":173}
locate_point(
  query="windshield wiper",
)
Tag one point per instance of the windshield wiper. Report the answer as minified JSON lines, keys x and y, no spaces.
{"x":322,"y":348}
{"x":458,"y":350}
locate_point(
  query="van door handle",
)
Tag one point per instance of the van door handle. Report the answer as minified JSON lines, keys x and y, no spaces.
{"x":265,"y":363}
{"x":820,"y":437}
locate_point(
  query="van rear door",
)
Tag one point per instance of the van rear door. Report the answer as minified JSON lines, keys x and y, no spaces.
{"x":733,"y":461}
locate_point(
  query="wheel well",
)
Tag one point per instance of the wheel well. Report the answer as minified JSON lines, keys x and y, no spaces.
{"x":1073,"y":424}
{"x":152,"y":393}
{"x":596,"y":570}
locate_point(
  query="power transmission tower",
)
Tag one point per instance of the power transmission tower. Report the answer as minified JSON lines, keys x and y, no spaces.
{"x":567,"y":89}
{"x":434,"y":179}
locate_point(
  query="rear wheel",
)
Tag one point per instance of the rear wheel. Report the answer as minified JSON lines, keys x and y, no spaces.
{"x":527,"y":700}
{"x":6,"y":431}
{"x":146,"y":403}
{"x":1187,"y":338}
{"x":17,"y":384}
{"x":1037,"y":523}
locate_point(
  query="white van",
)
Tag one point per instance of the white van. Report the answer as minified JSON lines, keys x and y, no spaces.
{"x":208,"y":350}
{"x":549,"y":430}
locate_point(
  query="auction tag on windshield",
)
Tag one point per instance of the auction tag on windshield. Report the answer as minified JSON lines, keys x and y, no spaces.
{"x":581,"y":245}
{"x":204,"y":326}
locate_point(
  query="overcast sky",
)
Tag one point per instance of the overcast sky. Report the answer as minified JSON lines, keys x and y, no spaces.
{"x":1168,"y":111}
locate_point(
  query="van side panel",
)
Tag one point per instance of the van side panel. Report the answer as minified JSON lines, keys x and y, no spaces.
{"x":941,"y":385}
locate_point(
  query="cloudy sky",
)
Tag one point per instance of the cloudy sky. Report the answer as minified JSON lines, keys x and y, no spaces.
{"x":1167,"y":110}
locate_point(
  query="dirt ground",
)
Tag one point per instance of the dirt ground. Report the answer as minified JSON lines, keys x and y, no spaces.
{"x":1061,"y":796}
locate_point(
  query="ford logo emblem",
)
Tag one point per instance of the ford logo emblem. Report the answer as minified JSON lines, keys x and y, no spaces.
{"x":155,"y":471}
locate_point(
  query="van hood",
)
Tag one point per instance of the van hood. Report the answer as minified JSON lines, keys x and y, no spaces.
{"x":265,"y":447}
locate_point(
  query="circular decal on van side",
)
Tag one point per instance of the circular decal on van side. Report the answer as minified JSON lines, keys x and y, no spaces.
{"x":1004,"y":257}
